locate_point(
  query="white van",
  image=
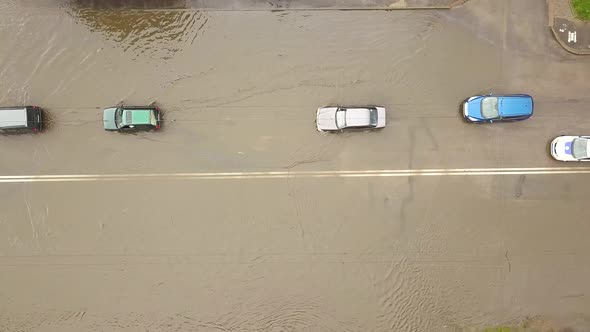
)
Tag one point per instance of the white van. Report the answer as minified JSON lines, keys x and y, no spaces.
{"x":21,"y":119}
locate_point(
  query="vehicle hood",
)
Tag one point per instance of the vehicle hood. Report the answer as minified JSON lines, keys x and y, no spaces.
{"x":138,"y":117}
{"x":326,"y":118}
{"x":473,"y":108}
{"x":108,"y":119}
{"x":515,"y":106}
{"x":561,"y":148}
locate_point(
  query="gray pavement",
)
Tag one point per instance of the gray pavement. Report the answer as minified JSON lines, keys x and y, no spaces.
{"x":239,"y":92}
{"x":570,"y":32}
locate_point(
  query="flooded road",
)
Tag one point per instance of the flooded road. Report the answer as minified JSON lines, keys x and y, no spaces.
{"x":239,"y":92}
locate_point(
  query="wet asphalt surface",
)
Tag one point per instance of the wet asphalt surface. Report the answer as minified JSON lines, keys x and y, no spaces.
{"x":239,"y":92}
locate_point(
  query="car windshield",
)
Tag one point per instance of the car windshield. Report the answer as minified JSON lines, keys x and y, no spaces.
{"x":341,"y":118}
{"x":373,"y":117}
{"x":119,"y":117}
{"x":489,"y":107}
{"x":580,"y":148}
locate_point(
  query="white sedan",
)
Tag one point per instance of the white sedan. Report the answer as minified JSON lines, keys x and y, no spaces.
{"x":337,"y":118}
{"x":571,"y":148}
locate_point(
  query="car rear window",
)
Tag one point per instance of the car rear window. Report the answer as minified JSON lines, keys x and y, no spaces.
{"x":373,"y":116}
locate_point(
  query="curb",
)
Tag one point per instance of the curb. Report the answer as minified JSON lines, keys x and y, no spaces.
{"x":302,"y":5}
{"x":299,"y":9}
{"x":322,"y":5}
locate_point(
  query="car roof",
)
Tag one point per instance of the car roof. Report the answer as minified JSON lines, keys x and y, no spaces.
{"x":13,"y":117}
{"x":515,"y":105}
{"x":356,"y":117}
{"x":137,"y":115}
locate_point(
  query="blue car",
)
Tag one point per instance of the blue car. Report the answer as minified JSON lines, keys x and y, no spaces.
{"x":497,"y":108}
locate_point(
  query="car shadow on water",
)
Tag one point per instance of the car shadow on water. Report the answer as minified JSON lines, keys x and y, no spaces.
{"x":48,"y":121}
{"x":351,"y":132}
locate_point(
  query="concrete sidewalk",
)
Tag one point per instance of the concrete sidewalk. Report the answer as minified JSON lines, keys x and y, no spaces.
{"x":269,"y":5}
{"x":571,"y":33}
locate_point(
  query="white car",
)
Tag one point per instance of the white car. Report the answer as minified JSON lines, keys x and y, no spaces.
{"x":571,"y":148}
{"x":337,"y":118}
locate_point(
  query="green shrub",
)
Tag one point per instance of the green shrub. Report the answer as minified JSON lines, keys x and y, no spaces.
{"x":582,"y":9}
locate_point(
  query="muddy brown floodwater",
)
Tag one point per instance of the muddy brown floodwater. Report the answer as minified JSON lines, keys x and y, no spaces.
{"x":239,"y":90}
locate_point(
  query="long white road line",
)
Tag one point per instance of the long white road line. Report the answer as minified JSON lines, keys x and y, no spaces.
{"x":296,"y":174}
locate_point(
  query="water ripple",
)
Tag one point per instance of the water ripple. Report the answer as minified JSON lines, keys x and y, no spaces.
{"x":158,"y":34}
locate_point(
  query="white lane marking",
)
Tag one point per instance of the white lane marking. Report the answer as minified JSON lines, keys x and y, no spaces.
{"x":295,"y":174}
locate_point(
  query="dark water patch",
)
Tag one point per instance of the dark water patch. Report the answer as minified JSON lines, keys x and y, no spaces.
{"x":158,"y":34}
{"x":127,"y":4}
